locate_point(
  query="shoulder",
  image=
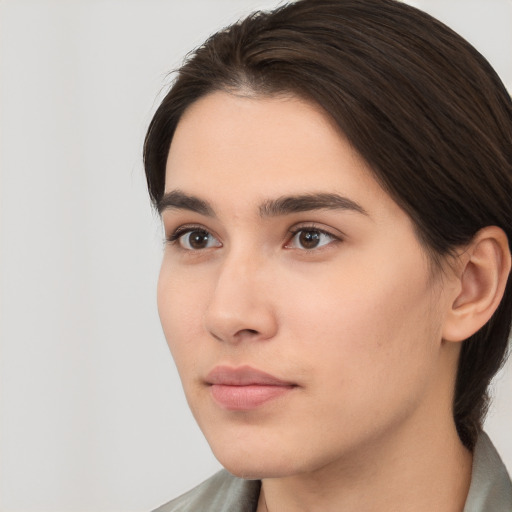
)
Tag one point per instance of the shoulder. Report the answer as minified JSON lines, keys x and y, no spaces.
{"x":221,"y":493}
{"x":491,"y":488}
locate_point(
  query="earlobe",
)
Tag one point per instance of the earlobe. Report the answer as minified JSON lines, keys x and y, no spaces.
{"x":484,"y":269}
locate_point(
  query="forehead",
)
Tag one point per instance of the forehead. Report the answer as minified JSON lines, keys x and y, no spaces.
{"x":249,"y":149}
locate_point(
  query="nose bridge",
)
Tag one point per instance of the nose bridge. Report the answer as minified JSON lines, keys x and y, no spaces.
{"x":240,"y":305}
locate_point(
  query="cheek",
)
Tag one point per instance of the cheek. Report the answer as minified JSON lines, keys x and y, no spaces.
{"x":179,"y":300}
{"x":373,"y":331}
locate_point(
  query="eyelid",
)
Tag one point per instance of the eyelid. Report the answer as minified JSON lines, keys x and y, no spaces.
{"x":181,"y":230}
{"x":317,"y":226}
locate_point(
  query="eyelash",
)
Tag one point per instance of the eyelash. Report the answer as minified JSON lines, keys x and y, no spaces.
{"x":174,"y":237}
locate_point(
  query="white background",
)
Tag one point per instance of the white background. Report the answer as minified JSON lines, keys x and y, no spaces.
{"x":92,"y":414}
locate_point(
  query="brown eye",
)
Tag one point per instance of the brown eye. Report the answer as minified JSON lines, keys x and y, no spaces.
{"x":310,"y":239}
{"x":197,"y":239}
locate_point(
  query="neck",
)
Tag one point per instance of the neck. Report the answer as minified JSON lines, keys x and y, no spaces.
{"x":417,"y":472}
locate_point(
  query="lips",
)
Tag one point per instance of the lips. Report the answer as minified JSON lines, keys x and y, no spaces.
{"x":245,"y":388}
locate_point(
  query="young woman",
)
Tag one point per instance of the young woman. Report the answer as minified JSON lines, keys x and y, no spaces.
{"x":335,"y":183}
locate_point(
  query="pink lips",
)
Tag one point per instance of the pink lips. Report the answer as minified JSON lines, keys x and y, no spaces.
{"x":244,"y":388}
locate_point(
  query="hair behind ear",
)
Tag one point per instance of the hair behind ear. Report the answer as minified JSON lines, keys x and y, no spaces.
{"x":480,"y":319}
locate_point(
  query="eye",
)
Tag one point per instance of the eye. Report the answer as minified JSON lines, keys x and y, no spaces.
{"x":310,"y":238}
{"x":194,"y":239}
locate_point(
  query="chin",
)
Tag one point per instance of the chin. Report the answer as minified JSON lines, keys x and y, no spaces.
{"x":257,"y":462}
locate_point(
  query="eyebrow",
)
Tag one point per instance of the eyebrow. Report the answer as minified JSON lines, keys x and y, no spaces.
{"x":177,"y":200}
{"x":284,"y":205}
{"x":308,"y":202}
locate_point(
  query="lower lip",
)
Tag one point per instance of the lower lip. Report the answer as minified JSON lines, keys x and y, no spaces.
{"x":244,"y":398}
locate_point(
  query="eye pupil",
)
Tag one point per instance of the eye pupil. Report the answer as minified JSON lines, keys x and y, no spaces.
{"x":309,"y":239}
{"x":198,"y":239}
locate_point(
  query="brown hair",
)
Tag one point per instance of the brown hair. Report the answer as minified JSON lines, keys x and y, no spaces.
{"x":419,"y":103}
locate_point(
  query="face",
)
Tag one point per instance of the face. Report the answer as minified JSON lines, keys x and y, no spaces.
{"x":297,"y":302}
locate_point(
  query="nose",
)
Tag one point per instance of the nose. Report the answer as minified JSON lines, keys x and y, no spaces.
{"x":241,"y":307}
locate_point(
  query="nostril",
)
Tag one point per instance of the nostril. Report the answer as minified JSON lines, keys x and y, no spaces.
{"x":247,"y":333}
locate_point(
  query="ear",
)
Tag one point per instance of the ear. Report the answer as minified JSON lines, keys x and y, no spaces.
{"x":482,"y":273}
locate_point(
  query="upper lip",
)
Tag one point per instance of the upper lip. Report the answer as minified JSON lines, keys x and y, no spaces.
{"x":243,"y":376}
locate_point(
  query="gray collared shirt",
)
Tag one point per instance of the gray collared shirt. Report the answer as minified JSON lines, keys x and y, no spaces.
{"x":490,"y":489}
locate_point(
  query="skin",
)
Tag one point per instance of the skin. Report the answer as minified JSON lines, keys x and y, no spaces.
{"x":356,"y":323}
